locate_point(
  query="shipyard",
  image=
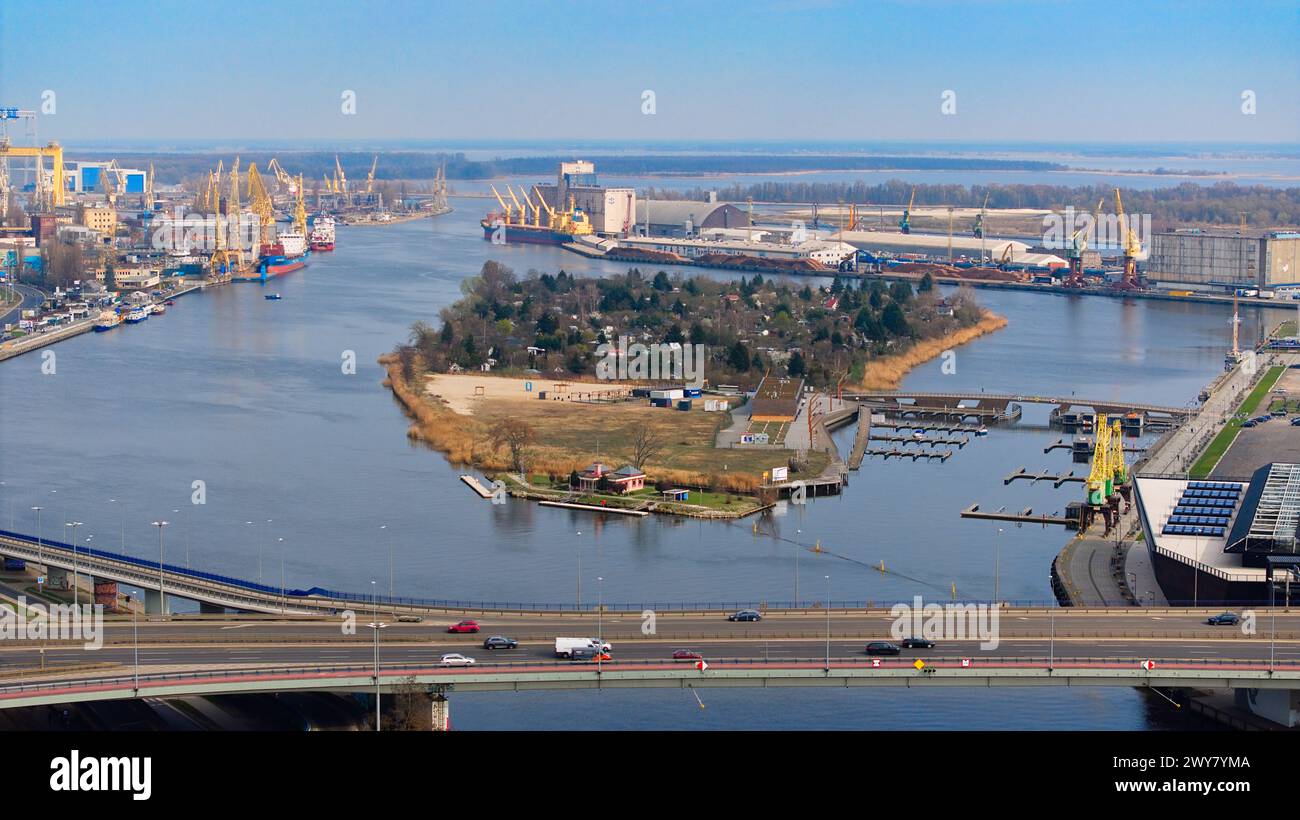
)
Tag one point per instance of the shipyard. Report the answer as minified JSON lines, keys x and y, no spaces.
{"x":374,"y":368}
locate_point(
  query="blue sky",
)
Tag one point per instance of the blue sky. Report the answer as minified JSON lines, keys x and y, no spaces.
{"x":774,"y":70}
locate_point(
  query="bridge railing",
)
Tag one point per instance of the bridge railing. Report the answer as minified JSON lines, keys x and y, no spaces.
{"x":390,"y":671}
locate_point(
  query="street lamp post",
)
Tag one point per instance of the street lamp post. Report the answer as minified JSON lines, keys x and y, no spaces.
{"x":1051,"y":646}
{"x":578,"y":543}
{"x":135,"y":630}
{"x":76,"y":585}
{"x":390,"y":564}
{"x":162,"y":598}
{"x":40,"y":549}
{"x":828,"y":624}
{"x":600,"y":621}
{"x":376,"y":626}
{"x":280,"y":541}
{"x":797,"y":549}
{"x":997,"y":575}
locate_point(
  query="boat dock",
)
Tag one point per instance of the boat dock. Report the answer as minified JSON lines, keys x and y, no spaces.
{"x":860,"y":439}
{"x":1057,"y":479}
{"x":932,"y":455}
{"x":593,"y":508}
{"x":477,"y":486}
{"x":931,"y":442}
{"x":1025,"y":516}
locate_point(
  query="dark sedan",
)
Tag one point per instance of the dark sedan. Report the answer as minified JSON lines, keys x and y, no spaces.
{"x":917,"y":643}
{"x":745,"y":615}
{"x":1223,"y":619}
{"x":883,"y":648}
{"x":498,"y":642}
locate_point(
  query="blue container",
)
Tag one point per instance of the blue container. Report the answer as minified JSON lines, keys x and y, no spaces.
{"x":661,"y":403}
{"x":694,"y":392}
{"x":684,"y":404}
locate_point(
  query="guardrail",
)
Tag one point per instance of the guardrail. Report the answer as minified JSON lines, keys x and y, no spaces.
{"x":542,"y":674}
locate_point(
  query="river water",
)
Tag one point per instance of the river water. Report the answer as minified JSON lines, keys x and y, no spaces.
{"x":308,"y":467}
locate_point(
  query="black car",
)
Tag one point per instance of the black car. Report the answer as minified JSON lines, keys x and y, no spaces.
{"x":745,"y":615}
{"x":883,"y":648}
{"x":917,"y":643}
{"x":498,"y":642}
{"x":1223,"y":619}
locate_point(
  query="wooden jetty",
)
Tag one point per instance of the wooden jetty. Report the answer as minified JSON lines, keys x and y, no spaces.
{"x":1025,"y":516}
{"x":477,"y":486}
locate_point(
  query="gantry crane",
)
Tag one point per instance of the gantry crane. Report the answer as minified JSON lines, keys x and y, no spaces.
{"x":49,"y":184}
{"x":905,"y":224}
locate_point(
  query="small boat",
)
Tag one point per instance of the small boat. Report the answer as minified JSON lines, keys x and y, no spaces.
{"x":271,"y":296}
{"x":157,"y":309}
{"x":983,"y":431}
{"x":170,"y":302}
{"x":107,"y":321}
{"x":918,"y":434}
{"x":136,"y":316}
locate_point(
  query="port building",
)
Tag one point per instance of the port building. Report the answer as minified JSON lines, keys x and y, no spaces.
{"x":776,"y":399}
{"x":611,"y":210}
{"x":1224,"y":541}
{"x":686,"y":218}
{"x":1216,"y":261}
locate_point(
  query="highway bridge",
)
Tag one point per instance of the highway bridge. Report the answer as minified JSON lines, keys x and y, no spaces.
{"x":180,"y":655}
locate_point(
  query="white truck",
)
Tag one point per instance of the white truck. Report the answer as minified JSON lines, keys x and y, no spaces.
{"x":564,"y":646}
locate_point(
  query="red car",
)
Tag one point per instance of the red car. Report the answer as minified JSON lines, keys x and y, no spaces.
{"x":464,"y":626}
{"x":687,"y":655}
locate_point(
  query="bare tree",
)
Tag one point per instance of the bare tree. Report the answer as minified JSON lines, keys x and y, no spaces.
{"x":410,"y":710}
{"x":518,"y":437}
{"x":646,"y":444}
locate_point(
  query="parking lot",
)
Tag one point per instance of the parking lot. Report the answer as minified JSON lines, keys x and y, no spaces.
{"x":1275,"y":440}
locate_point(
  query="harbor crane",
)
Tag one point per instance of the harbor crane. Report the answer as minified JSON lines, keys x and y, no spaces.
{"x":300,"y":211}
{"x":340,"y":178}
{"x":370,"y":177}
{"x":1074,"y":253}
{"x":1132,"y":248}
{"x":905,"y":224}
{"x":978,"y":228}
{"x":283,"y":177}
{"x":49,"y":189}
{"x":505,"y":209}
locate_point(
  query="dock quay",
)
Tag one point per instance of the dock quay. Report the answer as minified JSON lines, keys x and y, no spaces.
{"x":593,"y":508}
{"x":940,"y":455}
{"x":1025,"y":516}
{"x":1057,"y":479}
{"x":477,"y":486}
{"x":36,"y":341}
{"x":860,"y":439}
{"x":930,"y":442}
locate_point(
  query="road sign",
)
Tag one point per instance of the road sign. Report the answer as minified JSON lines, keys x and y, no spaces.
{"x":701,"y":665}
{"x":40,"y":580}
{"x":528,"y":387}
{"x":920,"y":664}
{"x":965,"y":663}
{"x":875,"y":662}
{"x":1148,"y":665}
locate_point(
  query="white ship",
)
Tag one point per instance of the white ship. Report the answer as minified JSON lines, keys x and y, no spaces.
{"x":294,"y":244}
{"x":322,"y":234}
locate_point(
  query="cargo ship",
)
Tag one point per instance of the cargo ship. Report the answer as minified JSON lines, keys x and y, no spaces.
{"x":107,"y":321}
{"x":322,"y":234}
{"x":513,"y":225}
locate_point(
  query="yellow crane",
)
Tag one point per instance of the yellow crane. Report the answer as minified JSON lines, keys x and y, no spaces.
{"x":1101,"y":478}
{"x":523,"y":216}
{"x":1132,"y":246}
{"x":505,"y":209}
{"x":300,"y":212}
{"x":260,"y":203}
{"x":537,"y":211}
{"x":47,"y":187}
{"x":370,"y":177}
{"x":340,"y":178}
{"x":1119,"y":472}
{"x":283,"y":177}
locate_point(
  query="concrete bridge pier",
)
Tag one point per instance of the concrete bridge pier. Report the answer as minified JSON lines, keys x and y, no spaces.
{"x":154,"y":602}
{"x":57,"y":578}
{"x":1282,"y":706}
{"x":440,"y":713}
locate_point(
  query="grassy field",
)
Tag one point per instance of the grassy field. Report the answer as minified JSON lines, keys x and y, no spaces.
{"x":571,"y":435}
{"x":1205,"y":464}
{"x":567,"y":430}
{"x":1287,"y":328}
